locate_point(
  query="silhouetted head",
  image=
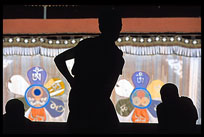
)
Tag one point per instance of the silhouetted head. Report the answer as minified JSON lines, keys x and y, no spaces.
{"x":169,"y":93}
{"x":110,"y":24}
{"x":15,"y":107}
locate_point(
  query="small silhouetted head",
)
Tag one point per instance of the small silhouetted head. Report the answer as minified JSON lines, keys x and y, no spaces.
{"x":15,"y":107}
{"x":110,"y":24}
{"x":169,"y":92}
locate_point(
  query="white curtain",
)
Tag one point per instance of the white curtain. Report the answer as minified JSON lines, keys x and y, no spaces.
{"x":175,"y":64}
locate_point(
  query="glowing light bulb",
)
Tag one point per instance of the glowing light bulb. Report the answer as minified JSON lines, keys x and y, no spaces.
{"x":26,"y":40}
{"x":186,"y":41}
{"x":157,"y":38}
{"x":18,"y":39}
{"x":171,"y":39}
{"x":73,"y":41}
{"x":195,"y":42}
{"x":134,"y":39}
{"x":42,"y":40}
{"x":50,"y":41}
{"x":149,"y":40}
{"x":66,"y":42}
{"x":127,"y":38}
{"x":33,"y":40}
{"x":119,"y":39}
{"x":57,"y":42}
{"x":179,"y":38}
{"x":164,"y":39}
{"x":10,"y":40}
{"x":141,"y":40}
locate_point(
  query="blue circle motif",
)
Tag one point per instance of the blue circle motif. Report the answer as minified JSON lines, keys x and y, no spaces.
{"x":37,"y":93}
{"x":133,"y":94}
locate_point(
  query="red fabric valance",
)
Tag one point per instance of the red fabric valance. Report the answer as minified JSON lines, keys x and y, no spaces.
{"x":130,"y":25}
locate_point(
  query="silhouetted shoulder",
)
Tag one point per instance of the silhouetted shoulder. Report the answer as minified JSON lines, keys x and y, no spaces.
{"x":188,"y":106}
{"x":88,"y":45}
{"x":87,"y":41}
{"x":186,"y":102}
{"x":84,"y":42}
{"x":186,"y":99}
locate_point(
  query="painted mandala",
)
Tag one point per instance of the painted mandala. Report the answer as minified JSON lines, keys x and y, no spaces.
{"x":40,"y":99}
{"x":141,"y":100}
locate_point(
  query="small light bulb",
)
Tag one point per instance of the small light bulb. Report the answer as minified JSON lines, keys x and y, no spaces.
{"x":66,"y":42}
{"x":186,"y":41}
{"x":141,"y":40}
{"x":171,"y":39}
{"x":119,"y":39}
{"x":73,"y":41}
{"x":134,"y":39}
{"x":42,"y":40}
{"x":33,"y":40}
{"x":164,"y":39}
{"x":195,"y":42}
{"x":10,"y":40}
{"x":26,"y":40}
{"x":179,"y":38}
{"x":57,"y":42}
{"x":18,"y":39}
{"x":50,"y":41}
{"x":127,"y":38}
{"x":157,"y":38}
{"x":149,"y":40}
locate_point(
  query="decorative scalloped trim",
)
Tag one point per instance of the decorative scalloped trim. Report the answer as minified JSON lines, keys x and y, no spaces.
{"x":128,"y":44}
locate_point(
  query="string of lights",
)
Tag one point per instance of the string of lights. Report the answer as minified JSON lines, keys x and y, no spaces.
{"x":126,"y":40}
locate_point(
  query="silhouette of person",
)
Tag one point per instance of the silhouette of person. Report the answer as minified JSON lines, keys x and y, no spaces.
{"x":14,"y":119}
{"x":176,"y":114}
{"x":98,"y":64}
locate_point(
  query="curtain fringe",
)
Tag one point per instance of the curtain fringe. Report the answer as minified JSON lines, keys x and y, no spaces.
{"x":162,"y":50}
{"x":154,"y":50}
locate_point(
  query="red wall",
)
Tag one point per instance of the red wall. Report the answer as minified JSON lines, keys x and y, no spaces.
{"x":130,"y":25}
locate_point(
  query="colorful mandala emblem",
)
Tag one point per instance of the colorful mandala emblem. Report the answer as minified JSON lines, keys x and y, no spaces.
{"x":140,"y":100}
{"x":40,"y":98}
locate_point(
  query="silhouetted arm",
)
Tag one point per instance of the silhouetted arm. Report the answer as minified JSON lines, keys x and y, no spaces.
{"x":113,"y":78}
{"x":60,"y":61}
